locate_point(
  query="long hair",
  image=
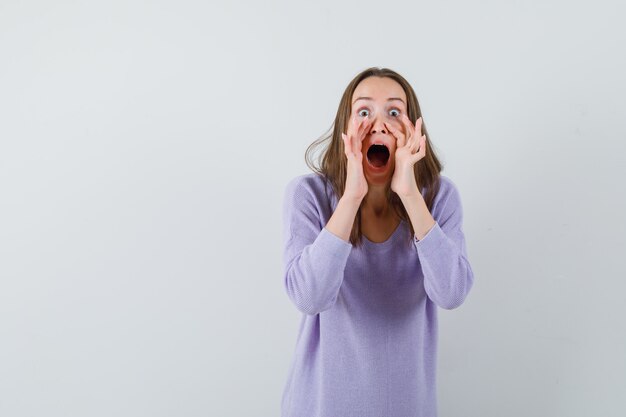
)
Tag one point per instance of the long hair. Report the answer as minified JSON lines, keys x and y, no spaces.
{"x":334,"y":163}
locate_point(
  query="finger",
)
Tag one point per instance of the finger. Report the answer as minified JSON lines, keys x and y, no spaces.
{"x":365,"y":123}
{"x":363,"y":133}
{"x":410,"y":129}
{"x":346,"y":146}
{"x":418,"y":129}
{"x":422,"y":146}
{"x":355,"y":127}
{"x":415,"y":144}
{"x":349,"y":128}
{"x":417,"y":156}
{"x":418,"y":125}
{"x":350,"y":144}
{"x":355,"y":124}
{"x":400,"y":139}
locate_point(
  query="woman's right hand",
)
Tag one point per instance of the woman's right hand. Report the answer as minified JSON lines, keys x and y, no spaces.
{"x":356,"y":184}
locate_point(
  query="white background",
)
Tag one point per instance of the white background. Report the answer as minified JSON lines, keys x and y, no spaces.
{"x":144,"y":150}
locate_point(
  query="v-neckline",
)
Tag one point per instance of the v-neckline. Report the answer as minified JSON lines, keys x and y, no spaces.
{"x":386,"y":242}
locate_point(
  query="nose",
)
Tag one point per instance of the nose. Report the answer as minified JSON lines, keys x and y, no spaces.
{"x":378,"y":126}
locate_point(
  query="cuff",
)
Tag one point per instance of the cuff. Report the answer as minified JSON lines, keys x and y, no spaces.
{"x":336,"y":244}
{"x":433,"y":239}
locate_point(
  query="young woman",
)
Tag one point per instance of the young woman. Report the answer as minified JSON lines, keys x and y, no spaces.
{"x":373,"y":245}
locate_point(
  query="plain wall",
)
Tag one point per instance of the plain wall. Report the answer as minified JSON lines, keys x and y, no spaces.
{"x":144,"y":151}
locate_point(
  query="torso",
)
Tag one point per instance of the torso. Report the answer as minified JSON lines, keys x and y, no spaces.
{"x":377,"y":229}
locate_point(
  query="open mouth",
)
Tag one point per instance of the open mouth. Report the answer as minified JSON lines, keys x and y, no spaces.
{"x":378,"y":156}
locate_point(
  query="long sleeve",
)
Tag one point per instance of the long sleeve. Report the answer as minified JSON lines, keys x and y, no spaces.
{"x":314,"y":258}
{"x":448,"y":275}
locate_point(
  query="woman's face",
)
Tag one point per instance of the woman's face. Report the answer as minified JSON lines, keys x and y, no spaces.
{"x":382,"y":101}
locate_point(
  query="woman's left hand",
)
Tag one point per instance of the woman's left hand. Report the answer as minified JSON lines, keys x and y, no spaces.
{"x":403,"y":181}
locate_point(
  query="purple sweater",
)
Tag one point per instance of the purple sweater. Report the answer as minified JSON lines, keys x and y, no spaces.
{"x":367,"y":342}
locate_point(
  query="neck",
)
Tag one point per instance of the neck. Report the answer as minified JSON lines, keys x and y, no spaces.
{"x":375,"y":201}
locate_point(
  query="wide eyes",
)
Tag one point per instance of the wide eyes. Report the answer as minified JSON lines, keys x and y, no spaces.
{"x":365,"y":112}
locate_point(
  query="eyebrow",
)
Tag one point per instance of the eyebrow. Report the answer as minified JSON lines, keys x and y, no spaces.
{"x":369,"y":98}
